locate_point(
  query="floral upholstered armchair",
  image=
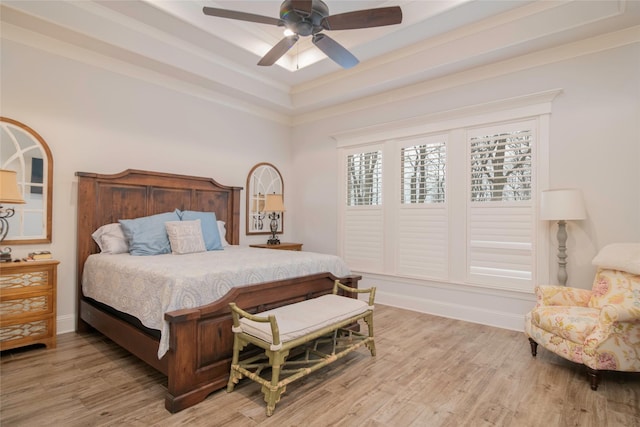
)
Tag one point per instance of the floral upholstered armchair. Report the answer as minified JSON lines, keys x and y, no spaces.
{"x":599,"y":328}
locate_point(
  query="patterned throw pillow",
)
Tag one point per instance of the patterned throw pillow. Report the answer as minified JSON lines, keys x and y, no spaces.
{"x":210,"y":232}
{"x":185,"y":236}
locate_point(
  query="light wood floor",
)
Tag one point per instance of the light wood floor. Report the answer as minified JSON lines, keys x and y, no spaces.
{"x":429,"y":371}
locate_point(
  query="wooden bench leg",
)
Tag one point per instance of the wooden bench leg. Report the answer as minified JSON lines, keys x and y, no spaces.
{"x":235,"y":375}
{"x":371,"y":345}
{"x":273,"y":391}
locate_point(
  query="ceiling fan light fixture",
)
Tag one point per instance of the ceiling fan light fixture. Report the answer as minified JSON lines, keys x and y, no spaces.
{"x":302,"y":18}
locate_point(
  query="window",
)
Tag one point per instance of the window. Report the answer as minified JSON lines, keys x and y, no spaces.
{"x":501,"y":215}
{"x":460,"y":195}
{"x":423,"y":173}
{"x":501,"y":166}
{"x":421,"y":232}
{"x":411,"y":234}
{"x":364,"y":182}
{"x":363,"y":218}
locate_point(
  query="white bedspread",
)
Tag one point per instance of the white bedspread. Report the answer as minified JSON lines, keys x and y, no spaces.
{"x":149,"y":286}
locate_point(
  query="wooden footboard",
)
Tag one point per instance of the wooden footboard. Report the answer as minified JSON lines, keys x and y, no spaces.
{"x":201,"y":340}
{"x":197,"y":370}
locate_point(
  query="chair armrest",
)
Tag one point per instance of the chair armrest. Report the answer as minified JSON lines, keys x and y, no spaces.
{"x":613,"y":317}
{"x":561,"y":295}
{"x":371,"y":291}
{"x":619,"y":313}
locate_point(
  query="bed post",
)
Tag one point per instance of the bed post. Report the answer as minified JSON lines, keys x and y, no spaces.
{"x":85,"y":247}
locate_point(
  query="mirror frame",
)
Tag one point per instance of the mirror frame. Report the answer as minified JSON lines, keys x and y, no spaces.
{"x":45,"y":237}
{"x":256,"y":181}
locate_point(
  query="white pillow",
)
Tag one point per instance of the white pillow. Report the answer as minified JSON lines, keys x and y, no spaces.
{"x":619,"y":256}
{"x":185,"y":236}
{"x":111,"y":239}
{"x":223,"y":233}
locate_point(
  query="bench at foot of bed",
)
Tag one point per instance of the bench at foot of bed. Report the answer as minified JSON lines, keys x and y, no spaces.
{"x":316,"y":324}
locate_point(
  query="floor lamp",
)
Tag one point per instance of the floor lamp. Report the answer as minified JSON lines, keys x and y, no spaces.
{"x":562,"y":205}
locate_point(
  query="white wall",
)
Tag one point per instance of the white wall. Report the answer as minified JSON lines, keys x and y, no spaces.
{"x":98,"y":121}
{"x":594,"y":145}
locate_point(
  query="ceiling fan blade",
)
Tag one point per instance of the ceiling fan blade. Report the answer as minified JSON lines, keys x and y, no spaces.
{"x":278,"y":50}
{"x":363,"y":19}
{"x":335,"y":51}
{"x":303,"y":7}
{"x":241,"y":16}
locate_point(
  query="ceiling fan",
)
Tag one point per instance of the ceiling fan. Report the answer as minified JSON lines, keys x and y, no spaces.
{"x":309,"y":18}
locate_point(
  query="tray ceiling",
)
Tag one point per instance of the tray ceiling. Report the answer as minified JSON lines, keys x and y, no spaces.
{"x":175,"y":41}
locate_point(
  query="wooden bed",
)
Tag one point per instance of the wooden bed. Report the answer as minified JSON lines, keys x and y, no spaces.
{"x":201,"y":341}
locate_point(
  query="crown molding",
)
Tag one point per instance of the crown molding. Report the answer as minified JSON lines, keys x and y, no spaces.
{"x":518,"y":107}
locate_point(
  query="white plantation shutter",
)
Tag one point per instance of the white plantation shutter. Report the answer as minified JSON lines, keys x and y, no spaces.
{"x":459,"y":202}
{"x":501,"y":219}
{"x":500,"y":246}
{"x":363,"y":242}
{"x":422,"y":242}
{"x":422,"y":237}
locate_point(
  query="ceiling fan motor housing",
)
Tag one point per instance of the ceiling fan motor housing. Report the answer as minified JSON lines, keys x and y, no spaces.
{"x":301,"y":24}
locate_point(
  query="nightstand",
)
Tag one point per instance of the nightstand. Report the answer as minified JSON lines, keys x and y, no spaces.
{"x":28,"y":303}
{"x":282,"y":246}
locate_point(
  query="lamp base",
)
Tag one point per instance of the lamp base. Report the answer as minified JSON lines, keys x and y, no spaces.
{"x":562,"y":252}
{"x":273,"y":241}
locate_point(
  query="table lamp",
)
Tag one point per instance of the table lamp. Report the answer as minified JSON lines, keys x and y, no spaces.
{"x":274,"y":205}
{"x":9,"y":193}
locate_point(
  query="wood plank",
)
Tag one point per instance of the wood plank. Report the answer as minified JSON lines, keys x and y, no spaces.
{"x":428,"y":371}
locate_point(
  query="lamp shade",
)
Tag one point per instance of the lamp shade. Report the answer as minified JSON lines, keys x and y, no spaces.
{"x":562,"y":204}
{"x":9,"y":192}
{"x":274,"y":203}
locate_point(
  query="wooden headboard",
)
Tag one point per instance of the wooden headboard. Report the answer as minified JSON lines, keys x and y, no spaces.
{"x":104,"y":199}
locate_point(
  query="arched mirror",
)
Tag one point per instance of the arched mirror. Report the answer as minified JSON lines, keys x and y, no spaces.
{"x":263,"y":179}
{"x":24,"y":151}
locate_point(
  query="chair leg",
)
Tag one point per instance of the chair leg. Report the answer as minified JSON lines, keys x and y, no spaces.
{"x":594,"y":377}
{"x":534,"y":347}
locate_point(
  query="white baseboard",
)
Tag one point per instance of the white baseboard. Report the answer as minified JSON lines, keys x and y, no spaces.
{"x":487,"y":306}
{"x":467,"y":313}
{"x":65,"y":324}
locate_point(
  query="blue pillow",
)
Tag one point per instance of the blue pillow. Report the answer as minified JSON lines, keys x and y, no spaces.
{"x":148,"y":235}
{"x":209,"y":228}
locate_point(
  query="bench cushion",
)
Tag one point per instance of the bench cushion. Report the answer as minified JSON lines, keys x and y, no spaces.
{"x":302,"y":318}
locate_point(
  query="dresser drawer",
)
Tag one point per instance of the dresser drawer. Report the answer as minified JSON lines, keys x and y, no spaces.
{"x":28,"y":304}
{"x":39,"y":303}
{"x":19,"y":332}
{"x":18,"y":282}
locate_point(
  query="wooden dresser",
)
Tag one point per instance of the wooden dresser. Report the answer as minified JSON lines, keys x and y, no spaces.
{"x":28,"y":303}
{"x":282,"y":246}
